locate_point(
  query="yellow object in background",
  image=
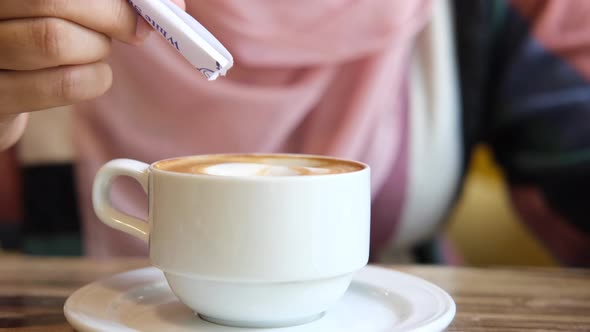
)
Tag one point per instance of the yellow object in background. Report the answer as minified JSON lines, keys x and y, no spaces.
{"x":484,"y":227}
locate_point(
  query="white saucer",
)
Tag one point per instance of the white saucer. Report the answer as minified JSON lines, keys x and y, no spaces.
{"x":378,"y":300}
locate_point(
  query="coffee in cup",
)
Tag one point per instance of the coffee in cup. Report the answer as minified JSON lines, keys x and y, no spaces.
{"x":258,"y":165}
{"x":250,"y":240}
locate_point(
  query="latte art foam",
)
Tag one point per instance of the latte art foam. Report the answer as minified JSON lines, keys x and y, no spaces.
{"x":250,"y":169}
{"x":258,"y":165}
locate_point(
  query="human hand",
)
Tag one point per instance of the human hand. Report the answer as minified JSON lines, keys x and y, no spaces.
{"x":52,"y":54}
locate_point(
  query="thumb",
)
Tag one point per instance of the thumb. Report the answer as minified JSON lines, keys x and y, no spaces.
{"x":143,"y":29}
{"x":180,"y":3}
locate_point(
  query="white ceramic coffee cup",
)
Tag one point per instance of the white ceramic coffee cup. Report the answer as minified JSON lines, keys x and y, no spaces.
{"x":249,"y":251}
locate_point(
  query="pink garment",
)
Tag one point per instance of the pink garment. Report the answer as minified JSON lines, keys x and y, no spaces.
{"x":321,"y":77}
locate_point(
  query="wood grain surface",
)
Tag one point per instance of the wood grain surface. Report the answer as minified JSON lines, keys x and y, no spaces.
{"x":33,"y":291}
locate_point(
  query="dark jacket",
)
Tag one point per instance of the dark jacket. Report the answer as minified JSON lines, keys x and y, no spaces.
{"x":525,"y":82}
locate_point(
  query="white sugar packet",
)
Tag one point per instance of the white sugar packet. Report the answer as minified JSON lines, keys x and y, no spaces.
{"x":186,"y":35}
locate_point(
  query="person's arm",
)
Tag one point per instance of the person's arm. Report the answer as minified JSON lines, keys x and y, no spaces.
{"x":539,"y":120}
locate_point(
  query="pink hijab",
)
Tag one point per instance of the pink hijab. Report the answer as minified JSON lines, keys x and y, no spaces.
{"x":322,"y":77}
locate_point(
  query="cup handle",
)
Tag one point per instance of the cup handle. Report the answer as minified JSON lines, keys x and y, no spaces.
{"x":101,"y":199}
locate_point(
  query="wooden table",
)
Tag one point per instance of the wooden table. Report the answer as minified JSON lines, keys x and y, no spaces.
{"x":33,"y":291}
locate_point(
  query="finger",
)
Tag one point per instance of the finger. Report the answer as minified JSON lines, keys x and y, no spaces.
{"x":144,"y":28}
{"x":12,"y":128}
{"x":115,"y":18}
{"x":29,"y":44}
{"x":25,"y":91}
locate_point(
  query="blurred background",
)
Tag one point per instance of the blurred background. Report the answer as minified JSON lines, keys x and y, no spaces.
{"x":483,"y":227}
{"x":38,"y":204}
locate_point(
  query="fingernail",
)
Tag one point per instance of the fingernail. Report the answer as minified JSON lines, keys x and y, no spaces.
{"x":143,"y":30}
